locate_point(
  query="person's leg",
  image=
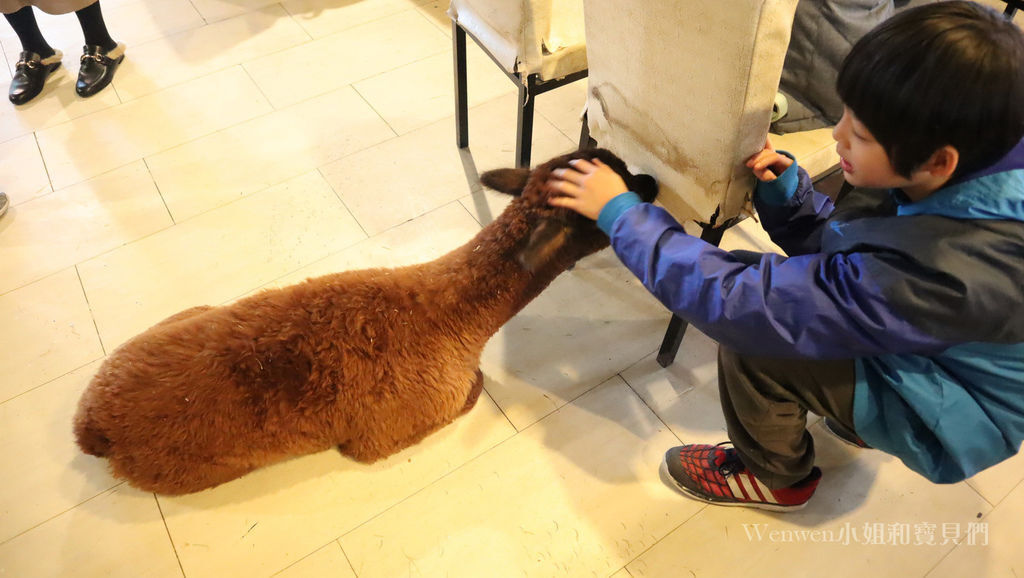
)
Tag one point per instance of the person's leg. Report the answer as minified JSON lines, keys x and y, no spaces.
{"x":101,"y":54}
{"x":94,"y":28}
{"x":765,"y":402}
{"x":37,"y":60}
{"x":25,"y":26}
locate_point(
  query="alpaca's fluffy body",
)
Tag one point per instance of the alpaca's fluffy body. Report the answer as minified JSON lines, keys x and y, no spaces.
{"x":369,"y":361}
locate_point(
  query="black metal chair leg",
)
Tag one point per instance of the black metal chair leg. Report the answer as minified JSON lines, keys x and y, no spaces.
{"x":585,"y":141}
{"x":524,"y":129}
{"x":461,"y":98}
{"x":673,"y":339}
{"x":1011,"y":8}
{"x":677,"y":325}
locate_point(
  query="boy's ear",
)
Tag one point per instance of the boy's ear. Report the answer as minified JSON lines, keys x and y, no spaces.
{"x":943,"y":162}
{"x":510,"y":181}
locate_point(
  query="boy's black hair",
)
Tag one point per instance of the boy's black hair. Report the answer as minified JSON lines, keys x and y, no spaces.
{"x":949,"y":73}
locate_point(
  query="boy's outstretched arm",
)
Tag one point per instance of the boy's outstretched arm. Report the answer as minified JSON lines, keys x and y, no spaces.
{"x":815,"y":305}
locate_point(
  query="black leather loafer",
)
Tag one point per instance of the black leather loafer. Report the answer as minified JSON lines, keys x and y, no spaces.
{"x":30,"y":75}
{"x":98,"y":68}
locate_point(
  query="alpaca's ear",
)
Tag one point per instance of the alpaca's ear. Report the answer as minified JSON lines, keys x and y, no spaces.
{"x":546,"y":239}
{"x":645,"y":186}
{"x":511,"y":181}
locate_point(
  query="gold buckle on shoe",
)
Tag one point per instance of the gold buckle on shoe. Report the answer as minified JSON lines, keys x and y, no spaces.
{"x":101,"y":58}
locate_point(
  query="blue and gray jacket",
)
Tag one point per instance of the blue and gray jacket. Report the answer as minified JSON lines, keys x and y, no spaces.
{"x":926,"y":297}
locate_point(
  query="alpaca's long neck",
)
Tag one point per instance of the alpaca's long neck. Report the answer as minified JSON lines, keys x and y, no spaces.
{"x":486,"y":285}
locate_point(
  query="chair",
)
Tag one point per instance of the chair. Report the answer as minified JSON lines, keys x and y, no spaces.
{"x":539,"y":44}
{"x":685,"y":92}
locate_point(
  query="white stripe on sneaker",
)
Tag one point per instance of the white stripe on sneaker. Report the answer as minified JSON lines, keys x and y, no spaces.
{"x":745,"y":486}
{"x":763,"y":490}
{"x":736,"y":486}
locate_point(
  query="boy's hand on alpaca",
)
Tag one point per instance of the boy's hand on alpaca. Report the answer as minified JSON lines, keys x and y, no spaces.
{"x":586,"y":187}
{"x":769,"y":164}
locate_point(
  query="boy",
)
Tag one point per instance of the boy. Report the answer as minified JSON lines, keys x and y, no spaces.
{"x":897,"y":314}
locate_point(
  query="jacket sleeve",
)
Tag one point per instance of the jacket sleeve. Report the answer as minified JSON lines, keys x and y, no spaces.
{"x":811,"y":306}
{"x":791,"y":211}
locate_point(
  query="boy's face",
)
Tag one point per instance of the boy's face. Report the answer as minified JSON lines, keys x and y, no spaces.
{"x":863,"y":160}
{"x":866,"y":164}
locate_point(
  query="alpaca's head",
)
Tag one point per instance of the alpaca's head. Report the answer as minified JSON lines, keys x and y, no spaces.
{"x":558,"y":235}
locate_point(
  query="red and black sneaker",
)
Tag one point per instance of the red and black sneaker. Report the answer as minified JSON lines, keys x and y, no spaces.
{"x":715,"y":474}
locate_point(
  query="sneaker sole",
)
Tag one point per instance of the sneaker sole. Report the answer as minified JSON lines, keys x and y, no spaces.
{"x":671,"y":482}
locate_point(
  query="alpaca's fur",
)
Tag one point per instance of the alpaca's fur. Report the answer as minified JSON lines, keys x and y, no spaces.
{"x":369,"y":361}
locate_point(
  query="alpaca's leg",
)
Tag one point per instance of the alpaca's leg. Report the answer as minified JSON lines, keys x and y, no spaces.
{"x":474,"y":393}
{"x":379,"y":444}
{"x":168,"y":476}
{"x":388,"y":436}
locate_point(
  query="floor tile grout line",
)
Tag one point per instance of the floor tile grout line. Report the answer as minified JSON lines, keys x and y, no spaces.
{"x":330,"y":255}
{"x":66,"y":187}
{"x":600,"y":382}
{"x":309,"y":555}
{"x":428,"y":485}
{"x":273,"y":110}
{"x":149,"y":154}
{"x":116,"y":485}
{"x":309,"y":36}
{"x":502,"y":442}
{"x":51,"y":380}
{"x":420,"y":7}
{"x":170,"y":538}
{"x":211,"y":209}
{"x":980,"y":495}
{"x":984,"y":518}
{"x":376,"y":112}
{"x":92,"y":315}
{"x":259,"y":89}
{"x":1001,"y":500}
{"x":352,"y":82}
{"x":232,"y":126}
{"x":199,"y":12}
{"x":163,"y":199}
{"x":49,"y":274}
{"x":500,"y":409}
{"x":178,"y":144}
{"x":696,"y":512}
{"x":312,"y":552}
{"x":373,"y":20}
{"x":347,"y":558}
{"x":145,"y":160}
{"x":46,"y":169}
{"x":344,"y":205}
{"x":668,"y":428}
{"x":311,"y":40}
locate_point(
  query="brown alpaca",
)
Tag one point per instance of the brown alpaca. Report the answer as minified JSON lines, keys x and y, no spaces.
{"x":369,"y":361}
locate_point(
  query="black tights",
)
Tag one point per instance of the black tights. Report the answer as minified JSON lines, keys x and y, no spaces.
{"x":93,"y":28}
{"x":24,"y":24}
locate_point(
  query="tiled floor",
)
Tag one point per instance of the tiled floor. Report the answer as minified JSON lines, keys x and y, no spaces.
{"x":248,"y":143}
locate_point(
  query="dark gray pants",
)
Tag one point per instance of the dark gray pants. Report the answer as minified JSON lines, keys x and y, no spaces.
{"x":765,"y":402}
